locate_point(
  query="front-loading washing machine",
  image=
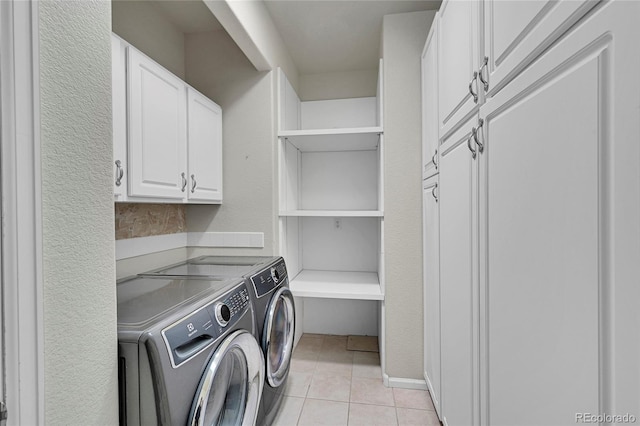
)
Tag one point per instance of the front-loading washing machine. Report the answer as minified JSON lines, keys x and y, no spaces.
{"x":268,"y":284}
{"x":188,"y":352}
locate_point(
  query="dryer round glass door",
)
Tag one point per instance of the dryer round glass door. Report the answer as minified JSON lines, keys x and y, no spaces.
{"x":278,"y":335}
{"x":230,"y":390}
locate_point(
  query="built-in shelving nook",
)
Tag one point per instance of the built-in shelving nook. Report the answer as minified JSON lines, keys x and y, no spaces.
{"x":332,"y":209}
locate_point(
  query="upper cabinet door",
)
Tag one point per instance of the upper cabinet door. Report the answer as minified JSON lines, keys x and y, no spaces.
{"x":516,"y":32}
{"x":430,"y":127}
{"x":205,"y":148}
{"x":119,"y":109}
{"x":458,"y":62}
{"x":157,"y":130}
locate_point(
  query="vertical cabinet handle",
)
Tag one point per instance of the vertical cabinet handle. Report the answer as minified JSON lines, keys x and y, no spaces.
{"x":485,"y":81}
{"x":119,"y":172}
{"x":433,"y":159}
{"x":433,"y":192}
{"x":193,"y":184}
{"x":184,"y":182}
{"x":474,"y":94}
{"x":473,"y":153}
{"x":474,"y":132}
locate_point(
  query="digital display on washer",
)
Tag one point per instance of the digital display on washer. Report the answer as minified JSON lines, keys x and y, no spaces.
{"x":267,"y":280}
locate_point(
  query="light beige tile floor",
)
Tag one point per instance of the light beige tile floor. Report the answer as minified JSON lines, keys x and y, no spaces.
{"x":330,"y":385}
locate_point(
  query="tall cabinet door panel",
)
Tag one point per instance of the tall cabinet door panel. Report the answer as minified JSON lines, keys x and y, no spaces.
{"x":554,"y":139}
{"x":119,"y":110}
{"x":430,"y":127}
{"x":458,"y":279}
{"x":157,"y":130}
{"x":516,"y":32}
{"x":205,"y":148}
{"x":457,"y":61}
{"x":431,"y":271}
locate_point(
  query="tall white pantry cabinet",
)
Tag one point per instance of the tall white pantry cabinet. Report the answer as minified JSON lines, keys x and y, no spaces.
{"x":531,"y":291}
{"x":331,"y":210}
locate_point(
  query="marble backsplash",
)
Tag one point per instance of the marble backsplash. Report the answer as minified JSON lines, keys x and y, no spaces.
{"x":143,"y":220}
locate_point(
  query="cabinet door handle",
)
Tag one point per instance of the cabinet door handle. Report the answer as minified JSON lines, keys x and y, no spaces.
{"x":473,"y":153}
{"x":120,"y":172}
{"x":193,"y":185}
{"x":474,"y":94}
{"x":485,"y":81}
{"x":433,"y":192}
{"x":184,"y":182}
{"x":435,"y":163}
{"x":475,"y":135}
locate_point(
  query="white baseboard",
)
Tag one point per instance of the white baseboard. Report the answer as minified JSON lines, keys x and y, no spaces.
{"x":133,"y":247}
{"x":398,"y":382}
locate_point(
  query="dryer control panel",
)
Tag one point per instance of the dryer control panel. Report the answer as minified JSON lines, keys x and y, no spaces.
{"x":197,"y":331}
{"x":265,"y":281}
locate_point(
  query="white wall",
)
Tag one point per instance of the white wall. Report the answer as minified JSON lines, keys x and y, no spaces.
{"x":338,"y":85}
{"x":403,"y":38}
{"x":79,"y":296}
{"x":221,"y":71}
{"x":251,"y":27}
{"x":142,"y":24}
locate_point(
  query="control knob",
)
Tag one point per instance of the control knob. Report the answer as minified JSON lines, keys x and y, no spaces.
{"x":223,"y":314}
{"x":275,"y":275}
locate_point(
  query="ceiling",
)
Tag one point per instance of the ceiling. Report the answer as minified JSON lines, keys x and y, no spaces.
{"x":336,"y":35}
{"x":321,"y":35}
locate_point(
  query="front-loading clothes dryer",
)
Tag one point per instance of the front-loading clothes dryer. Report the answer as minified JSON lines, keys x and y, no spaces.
{"x":187,"y":352}
{"x":268,"y":285}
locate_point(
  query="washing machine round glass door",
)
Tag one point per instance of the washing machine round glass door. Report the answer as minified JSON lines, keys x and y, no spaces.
{"x":230,"y":390}
{"x":278,"y":335}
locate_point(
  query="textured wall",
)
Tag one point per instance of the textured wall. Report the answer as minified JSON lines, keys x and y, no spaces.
{"x":403,"y":38}
{"x":143,"y":220}
{"x":217,"y":68}
{"x":142,"y":24}
{"x":79,"y":296}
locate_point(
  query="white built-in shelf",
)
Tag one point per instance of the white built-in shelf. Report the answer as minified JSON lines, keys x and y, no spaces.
{"x":337,"y":285}
{"x":340,"y":139}
{"x":332,"y":213}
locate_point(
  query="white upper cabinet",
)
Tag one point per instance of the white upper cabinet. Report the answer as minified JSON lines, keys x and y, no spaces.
{"x":205,"y":148}
{"x":458,"y":62}
{"x":157,"y":130}
{"x":516,"y":32}
{"x":430,"y":127}
{"x":167,"y":137}
{"x":119,"y":110}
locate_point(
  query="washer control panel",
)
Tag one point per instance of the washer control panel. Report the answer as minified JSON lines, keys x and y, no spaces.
{"x":265,"y":281}
{"x":197,"y":331}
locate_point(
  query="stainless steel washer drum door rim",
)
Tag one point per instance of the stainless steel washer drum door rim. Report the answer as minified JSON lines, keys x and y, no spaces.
{"x":278,"y":335}
{"x":229,"y":392}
